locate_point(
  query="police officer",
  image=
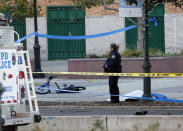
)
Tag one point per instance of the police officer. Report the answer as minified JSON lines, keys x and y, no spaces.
{"x":113,"y":65}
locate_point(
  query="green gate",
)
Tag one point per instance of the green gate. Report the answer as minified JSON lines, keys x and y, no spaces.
{"x":131,"y":35}
{"x":66,"y":21}
{"x":156,"y":34}
{"x":20,"y":28}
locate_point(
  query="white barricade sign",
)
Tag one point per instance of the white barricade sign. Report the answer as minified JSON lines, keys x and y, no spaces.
{"x":126,"y":10}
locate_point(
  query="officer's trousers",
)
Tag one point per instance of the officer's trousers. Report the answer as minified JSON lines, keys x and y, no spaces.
{"x":113,"y":88}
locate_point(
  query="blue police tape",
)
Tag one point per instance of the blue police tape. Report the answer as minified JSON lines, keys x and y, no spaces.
{"x":155,"y":99}
{"x":87,"y":36}
{"x":92,"y":36}
{"x":82,"y":37}
{"x":155,"y":21}
{"x":23,"y":38}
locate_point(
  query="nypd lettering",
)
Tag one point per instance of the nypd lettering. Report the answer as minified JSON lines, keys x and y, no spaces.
{"x":4,"y":62}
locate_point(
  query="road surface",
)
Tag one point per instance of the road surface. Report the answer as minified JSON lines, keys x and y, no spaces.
{"x":97,"y":90}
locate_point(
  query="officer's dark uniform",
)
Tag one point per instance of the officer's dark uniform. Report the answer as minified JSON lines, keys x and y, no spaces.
{"x":113,"y":65}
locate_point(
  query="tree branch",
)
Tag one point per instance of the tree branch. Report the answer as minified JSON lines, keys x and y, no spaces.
{"x":114,"y":9}
{"x":131,"y":20}
{"x":109,"y":8}
{"x":153,"y":7}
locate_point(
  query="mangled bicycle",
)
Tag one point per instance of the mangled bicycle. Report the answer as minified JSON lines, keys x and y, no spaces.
{"x":45,"y":88}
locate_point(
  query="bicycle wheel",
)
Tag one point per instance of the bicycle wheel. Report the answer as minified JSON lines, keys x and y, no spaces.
{"x":42,"y":90}
{"x":78,"y":88}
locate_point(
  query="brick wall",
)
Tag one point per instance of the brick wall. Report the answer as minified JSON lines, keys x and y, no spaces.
{"x":93,"y":11}
{"x":45,"y":3}
{"x":97,"y":10}
{"x":172,"y":9}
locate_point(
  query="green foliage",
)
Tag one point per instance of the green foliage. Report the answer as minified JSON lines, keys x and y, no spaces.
{"x":93,"y":56}
{"x":152,"y":53}
{"x":19,"y":9}
{"x":98,"y":126}
{"x":129,"y":53}
{"x":97,"y":56}
{"x":91,"y":3}
{"x":151,"y":3}
{"x":156,"y":53}
{"x":153,"y":127}
{"x":105,"y":55}
{"x":138,"y":53}
{"x":5,"y":6}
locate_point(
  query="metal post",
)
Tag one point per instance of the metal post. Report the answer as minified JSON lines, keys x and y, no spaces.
{"x":147,"y":65}
{"x":37,"y":47}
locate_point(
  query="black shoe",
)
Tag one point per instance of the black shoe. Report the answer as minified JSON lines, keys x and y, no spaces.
{"x":114,"y":99}
{"x":113,"y":102}
{"x":141,"y":113}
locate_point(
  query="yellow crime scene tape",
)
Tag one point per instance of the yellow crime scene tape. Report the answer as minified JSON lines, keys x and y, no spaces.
{"x":158,"y":75}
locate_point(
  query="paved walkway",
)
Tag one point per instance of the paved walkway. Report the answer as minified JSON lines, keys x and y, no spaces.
{"x":97,"y":90}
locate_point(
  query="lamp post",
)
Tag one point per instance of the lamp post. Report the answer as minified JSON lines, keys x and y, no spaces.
{"x":37,"y":47}
{"x":147,"y":65}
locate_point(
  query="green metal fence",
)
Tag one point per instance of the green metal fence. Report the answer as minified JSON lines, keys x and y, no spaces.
{"x":156,"y":34}
{"x":20,"y":27}
{"x":66,"y":21}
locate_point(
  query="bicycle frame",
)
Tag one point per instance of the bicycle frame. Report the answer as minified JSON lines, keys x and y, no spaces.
{"x":46,"y":86}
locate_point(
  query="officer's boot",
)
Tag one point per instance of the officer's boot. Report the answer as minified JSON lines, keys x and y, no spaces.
{"x":114,"y":99}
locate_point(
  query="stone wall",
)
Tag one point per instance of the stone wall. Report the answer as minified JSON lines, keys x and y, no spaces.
{"x":42,"y":28}
{"x":101,"y":24}
{"x":173,"y":33}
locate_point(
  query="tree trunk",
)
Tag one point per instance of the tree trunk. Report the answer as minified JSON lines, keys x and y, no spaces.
{"x":140,"y":38}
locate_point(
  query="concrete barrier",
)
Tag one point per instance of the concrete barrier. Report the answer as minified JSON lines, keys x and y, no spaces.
{"x":68,"y":123}
{"x":130,"y":65}
{"x":107,"y":123}
{"x":145,"y":123}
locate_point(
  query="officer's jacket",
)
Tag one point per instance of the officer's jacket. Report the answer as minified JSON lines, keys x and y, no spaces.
{"x":113,"y":63}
